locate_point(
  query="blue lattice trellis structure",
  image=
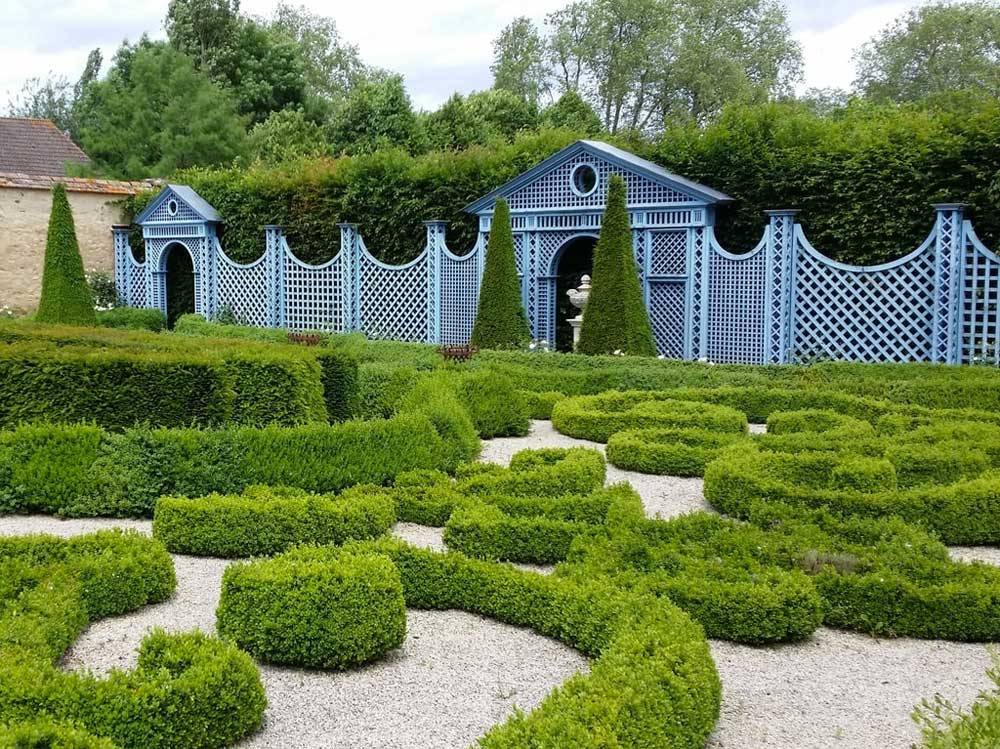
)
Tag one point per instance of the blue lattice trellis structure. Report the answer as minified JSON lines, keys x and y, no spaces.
{"x":781,"y":302}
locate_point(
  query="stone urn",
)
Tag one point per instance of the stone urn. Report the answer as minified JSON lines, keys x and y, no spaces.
{"x":578,"y":298}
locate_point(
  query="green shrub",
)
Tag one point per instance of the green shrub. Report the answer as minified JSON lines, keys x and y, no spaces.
{"x":652,"y":684}
{"x":187,"y":691}
{"x":341,"y":388}
{"x":540,"y":404}
{"x":382,"y":387}
{"x":274,"y":388}
{"x":433,"y":397}
{"x":115,"y":389}
{"x":938,"y":463}
{"x":132,"y":318}
{"x":549,"y":472}
{"x":616,"y":319}
{"x":65,"y":294}
{"x":597,"y":417}
{"x":536,"y":530}
{"x":326,"y":612}
{"x":501,"y":322}
{"x":496,"y":408}
{"x":264,"y":521}
{"x":44,"y":734}
{"x":83,"y":471}
{"x":672,"y":452}
{"x":868,"y":475}
{"x":945,"y":726}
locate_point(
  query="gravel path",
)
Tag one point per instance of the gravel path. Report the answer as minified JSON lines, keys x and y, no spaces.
{"x":457,"y":674}
{"x":837,"y":689}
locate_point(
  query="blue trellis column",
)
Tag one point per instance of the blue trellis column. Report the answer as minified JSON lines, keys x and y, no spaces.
{"x":274,"y":275}
{"x":435,"y":250}
{"x":949,"y":244}
{"x":123,"y":265}
{"x":779,"y":284}
{"x":696,"y":297}
{"x":350,"y":273}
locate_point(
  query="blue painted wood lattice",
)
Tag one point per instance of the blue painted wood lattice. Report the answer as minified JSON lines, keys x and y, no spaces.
{"x":783,"y":301}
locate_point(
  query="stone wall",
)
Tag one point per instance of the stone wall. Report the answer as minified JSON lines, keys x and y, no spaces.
{"x":24,"y":218}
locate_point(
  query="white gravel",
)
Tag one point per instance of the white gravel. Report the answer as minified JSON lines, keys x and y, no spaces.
{"x":985,"y":554}
{"x":457,"y":674}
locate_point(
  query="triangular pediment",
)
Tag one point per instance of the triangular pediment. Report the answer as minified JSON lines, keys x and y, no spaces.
{"x":576,"y":178}
{"x":178,"y":204}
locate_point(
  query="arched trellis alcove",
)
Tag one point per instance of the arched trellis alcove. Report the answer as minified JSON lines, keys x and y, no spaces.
{"x":179,"y":278}
{"x":573,"y":260}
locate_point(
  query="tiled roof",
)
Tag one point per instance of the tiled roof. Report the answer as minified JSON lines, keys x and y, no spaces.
{"x":29,"y":146}
{"x":78,"y":184}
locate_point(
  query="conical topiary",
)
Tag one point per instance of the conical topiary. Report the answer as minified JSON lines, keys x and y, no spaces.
{"x":615,"y":318}
{"x":66,"y":297}
{"x":500,"y":320}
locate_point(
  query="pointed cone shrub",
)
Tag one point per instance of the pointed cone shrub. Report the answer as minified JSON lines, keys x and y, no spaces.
{"x":615,"y":318}
{"x":500,"y":320}
{"x":66,"y":297}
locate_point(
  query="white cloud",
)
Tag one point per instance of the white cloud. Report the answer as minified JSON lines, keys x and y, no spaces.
{"x":828,"y":52}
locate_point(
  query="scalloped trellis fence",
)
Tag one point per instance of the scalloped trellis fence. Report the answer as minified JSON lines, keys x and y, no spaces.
{"x":781,"y":302}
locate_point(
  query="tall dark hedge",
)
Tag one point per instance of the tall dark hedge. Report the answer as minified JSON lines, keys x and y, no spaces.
{"x":615,"y":318}
{"x":501,"y":322}
{"x":65,"y":297}
{"x":864,"y":178}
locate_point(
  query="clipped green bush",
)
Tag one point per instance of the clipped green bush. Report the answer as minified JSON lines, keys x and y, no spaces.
{"x":322,"y":611}
{"x":540,"y":404}
{"x":597,"y":417}
{"x":616,"y":319}
{"x":433,"y":397}
{"x":265,"y":520}
{"x":496,"y":408}
{"x":862,"y":474}
{"x":501,"y":322}
{"x":671,"y":452}
{"x":65,"y":295}
{"x":546,"y":472}
{"x":132,"y":318}
{"x":187,"y":691}
{"x":44,"y":734}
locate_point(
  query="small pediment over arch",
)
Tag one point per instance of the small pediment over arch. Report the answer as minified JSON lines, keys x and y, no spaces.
{"x":576,"y":178}
{"x":178,"y":204}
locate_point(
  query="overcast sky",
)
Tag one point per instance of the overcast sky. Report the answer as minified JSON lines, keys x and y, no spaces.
{"x":440,"y":46}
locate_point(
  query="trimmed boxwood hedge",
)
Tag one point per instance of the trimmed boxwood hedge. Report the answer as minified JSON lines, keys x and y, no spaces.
{"x":188,"y":691}
{"x":965,"y":510}
{"x":44,"y":734}
{"x":264,"y":521}
{"x":676,"y":452}
{"x":652,"y":683}
{"x":597,"y":417}
{"x":82,"y":471}
{"x":133,"y":318}
{"x":546,"y":472}
{"x":496,"y":408}
{"x":329,"y":612}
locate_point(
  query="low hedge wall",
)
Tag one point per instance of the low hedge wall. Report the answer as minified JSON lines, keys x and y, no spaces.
{"x":966,"y":510}
{"x":496,"y":408}
{"x":82,"y":471}
{"x":264,"y":521}
{"x":330,"y":612}
{"x":44,"y":734}
{"x":536,"y":531}
{"x":674,"y":452}
{"x":129,"y":377}
{"x":187,"y":691}
{"x":652,"y":683}
{"x":133,"y":318}
{"x":597,"y":417}
{"x":545,"y":472}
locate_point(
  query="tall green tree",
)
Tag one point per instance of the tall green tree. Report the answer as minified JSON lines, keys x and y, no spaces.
{"x":571,"y":112}
{"x":615,"y":319}
{"x":501,"y":322}
{"x":931,"y":50}
{"x":285,"y":136}
{"x":643,"y":63}
{"x":155,"y":113}
{"x":519,"y":64}
{"x":200,"y":28}
{"x":377,"y":114}
{"x":49,"y":98}
{"x":65,"y":296}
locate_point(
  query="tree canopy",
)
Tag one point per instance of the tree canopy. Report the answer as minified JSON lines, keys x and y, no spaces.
{"x":933,"y":50}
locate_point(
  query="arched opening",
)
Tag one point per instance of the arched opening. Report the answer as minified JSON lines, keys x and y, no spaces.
{"x":574,"y":260}
{"x":179,"y":269}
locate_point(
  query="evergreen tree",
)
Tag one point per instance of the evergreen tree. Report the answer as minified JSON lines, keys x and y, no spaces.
{"x":500,"y":320}
{"x":615,"y":318}
{"x":65,"y":295}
